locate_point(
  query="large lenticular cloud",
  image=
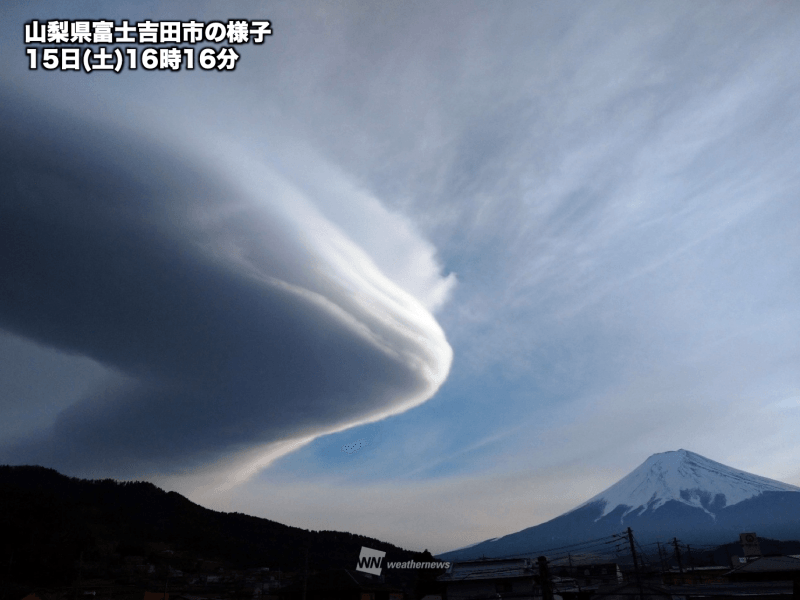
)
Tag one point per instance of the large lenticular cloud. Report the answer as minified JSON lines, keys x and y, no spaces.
{"x":234,"y":316}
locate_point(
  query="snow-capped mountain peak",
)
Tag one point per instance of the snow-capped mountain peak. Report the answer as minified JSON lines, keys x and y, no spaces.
{"x":676,"y":494}
{"x":688,"y":478}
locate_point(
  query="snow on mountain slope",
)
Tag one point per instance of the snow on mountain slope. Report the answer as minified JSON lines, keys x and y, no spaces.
{"x":673,"y":494}
{"x":688,"y":478}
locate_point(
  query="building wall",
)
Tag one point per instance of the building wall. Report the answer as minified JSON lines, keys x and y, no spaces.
{"x":490,"y":589}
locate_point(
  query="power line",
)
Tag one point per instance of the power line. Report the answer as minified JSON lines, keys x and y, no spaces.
{"x":528,"y":553}
{"x":584,"y":546}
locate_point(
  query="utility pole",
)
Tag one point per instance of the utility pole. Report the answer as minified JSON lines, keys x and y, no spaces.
{"x":689,"y":553}
{"x":678,"y":554}
{"x":78,"y":580}
{"x":8,"y":576}
{"x":661,"y":557}
{"x":166,"y":583}
{"x":544,"y":577}
{"x":635,"y":563}
{"x":305,"y":575}
{"x":573,"y":572}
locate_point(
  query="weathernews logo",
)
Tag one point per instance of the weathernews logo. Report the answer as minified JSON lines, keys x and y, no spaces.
{"x":369,"y":561}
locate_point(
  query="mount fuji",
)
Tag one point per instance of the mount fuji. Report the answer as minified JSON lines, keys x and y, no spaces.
{"x":672,"y":494}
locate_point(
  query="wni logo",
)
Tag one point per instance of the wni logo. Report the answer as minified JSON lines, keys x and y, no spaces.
{"x":370,"y":561}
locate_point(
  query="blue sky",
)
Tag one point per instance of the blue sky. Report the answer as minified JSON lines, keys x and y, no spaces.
{"x":508,"y":251}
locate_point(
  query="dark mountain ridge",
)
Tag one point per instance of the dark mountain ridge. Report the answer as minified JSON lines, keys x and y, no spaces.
{"x":49,"y":521}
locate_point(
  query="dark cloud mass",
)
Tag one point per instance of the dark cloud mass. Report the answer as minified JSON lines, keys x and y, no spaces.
{"x":227,"y":331}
